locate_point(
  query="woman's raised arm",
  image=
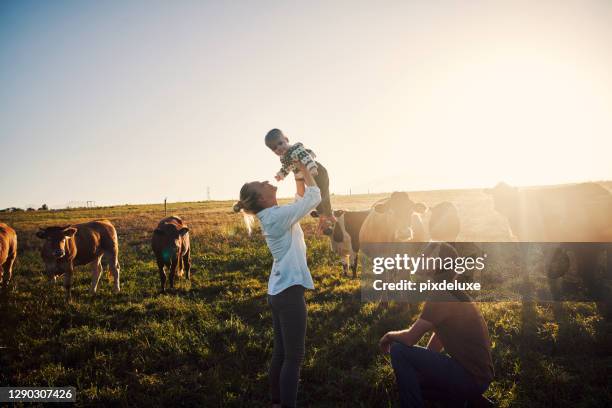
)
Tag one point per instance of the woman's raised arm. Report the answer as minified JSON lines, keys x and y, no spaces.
{"x":307,"y":180}
{"x":289,"y":214}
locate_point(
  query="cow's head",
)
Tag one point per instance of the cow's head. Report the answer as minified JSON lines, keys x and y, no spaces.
{"x":444,"y":224}
{"x":399,"y":209}
{"x":58,"y":245}
{"x":331,"y":231}
{"x":171,"y":237}
{"x":505,"y":199}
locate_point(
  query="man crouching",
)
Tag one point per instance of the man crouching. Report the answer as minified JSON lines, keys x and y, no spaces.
{"x":425,"y":373}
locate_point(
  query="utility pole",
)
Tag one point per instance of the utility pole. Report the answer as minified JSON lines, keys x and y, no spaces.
{"x":165,"y":207}
{"x":207,"y":193}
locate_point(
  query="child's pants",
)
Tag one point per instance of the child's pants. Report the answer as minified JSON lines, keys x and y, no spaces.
{"x":322,"y":179}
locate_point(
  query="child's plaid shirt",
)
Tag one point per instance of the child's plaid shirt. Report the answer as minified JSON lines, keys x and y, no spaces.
{"x":297,"y":152}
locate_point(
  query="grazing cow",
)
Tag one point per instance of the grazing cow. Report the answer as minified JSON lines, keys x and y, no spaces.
{"x":72,"y":245}
{"x":345,"y":237}
{"x":396,"y":219}
{"x":569,"y":213}
{"x":579,"y":215}
{"x":170,"y":244}
{"x":8,"y":253}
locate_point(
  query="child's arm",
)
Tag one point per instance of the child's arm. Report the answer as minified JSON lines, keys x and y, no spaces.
{"x":285,"y":168}
{"x":282,"y":173}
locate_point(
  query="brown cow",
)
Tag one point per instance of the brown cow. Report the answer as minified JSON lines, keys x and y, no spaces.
{"x":72,"y":245}
{"x":170,"y":244}
{"x":8,"y":253}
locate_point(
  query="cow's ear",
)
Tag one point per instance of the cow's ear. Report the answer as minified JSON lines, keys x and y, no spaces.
{"x":69,"y":232}
{"x":42,"y":234}
{"x":158,"y":232}
{"x":420,"y":208}
{"x":183,"y":231}
{"x":338,"y":213}
{"x":380,"y":208}
{"x":314,"y":214}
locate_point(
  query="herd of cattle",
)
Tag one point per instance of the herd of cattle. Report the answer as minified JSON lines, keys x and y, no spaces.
{"x":65,"y":247}
{"x":572,"y":214}
{"x":577,"y":216}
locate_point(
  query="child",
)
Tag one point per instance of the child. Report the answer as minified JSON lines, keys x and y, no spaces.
{"x":290,"y":154}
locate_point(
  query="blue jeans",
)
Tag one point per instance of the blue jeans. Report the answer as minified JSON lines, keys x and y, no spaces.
{"x":422,"y":373}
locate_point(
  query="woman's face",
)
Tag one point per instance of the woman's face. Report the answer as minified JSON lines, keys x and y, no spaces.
{"x":266,"y":192}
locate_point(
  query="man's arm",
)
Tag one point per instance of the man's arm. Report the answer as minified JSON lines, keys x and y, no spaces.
{"x":435,"y":344}
{"x":409,"y":337}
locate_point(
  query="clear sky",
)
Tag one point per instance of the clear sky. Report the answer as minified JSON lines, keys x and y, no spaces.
{"x":131,"y":102}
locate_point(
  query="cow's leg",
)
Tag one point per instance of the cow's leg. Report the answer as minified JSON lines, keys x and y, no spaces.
{"x":354,"y":265}
{"x":8,"y":268}
{"x":162,"y":274}
{"x":607,"y":277}
{"x":68,"y":280}
{"x":187,"y":264}
{"x":96,"y":272}
{"x":586,"y":263}
{"x":173,"y":266}
{"x":113,"y":263}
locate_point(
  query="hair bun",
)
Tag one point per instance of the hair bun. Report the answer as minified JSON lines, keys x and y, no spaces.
{"x":237,"y":207}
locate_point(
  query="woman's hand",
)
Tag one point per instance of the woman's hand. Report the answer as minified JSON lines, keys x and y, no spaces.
{"x":308,"y":179}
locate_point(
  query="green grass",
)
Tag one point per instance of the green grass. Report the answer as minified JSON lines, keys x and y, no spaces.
{"x":209,"y":342}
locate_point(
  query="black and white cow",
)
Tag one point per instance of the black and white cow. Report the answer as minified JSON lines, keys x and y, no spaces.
{"x":345,"y":237}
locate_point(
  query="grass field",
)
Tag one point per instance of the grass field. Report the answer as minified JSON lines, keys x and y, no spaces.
{"x":208,"y":343}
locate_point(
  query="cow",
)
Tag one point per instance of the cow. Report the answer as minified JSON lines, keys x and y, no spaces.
{"x":396,"y":219}
{"x":577,"y":215}
{"x":170,"y":244}
{"x":81,"y":244}
{"x":8,"y":253}
{"x":345,"y":237}
{"x":444,"y":224}
{"x":568,"y":213}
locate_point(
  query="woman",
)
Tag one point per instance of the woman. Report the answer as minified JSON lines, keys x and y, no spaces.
{"x":289,"y":277}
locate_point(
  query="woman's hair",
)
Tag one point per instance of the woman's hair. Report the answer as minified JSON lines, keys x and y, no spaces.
{"x":248,"y":205}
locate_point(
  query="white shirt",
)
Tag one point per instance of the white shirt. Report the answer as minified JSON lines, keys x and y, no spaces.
{"x":285,"y":239}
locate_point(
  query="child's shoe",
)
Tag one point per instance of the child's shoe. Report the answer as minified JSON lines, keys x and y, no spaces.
{"x":326,"y":224}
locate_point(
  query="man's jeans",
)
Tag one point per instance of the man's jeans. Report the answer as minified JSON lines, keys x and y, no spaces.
{"x":425,"y":374}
